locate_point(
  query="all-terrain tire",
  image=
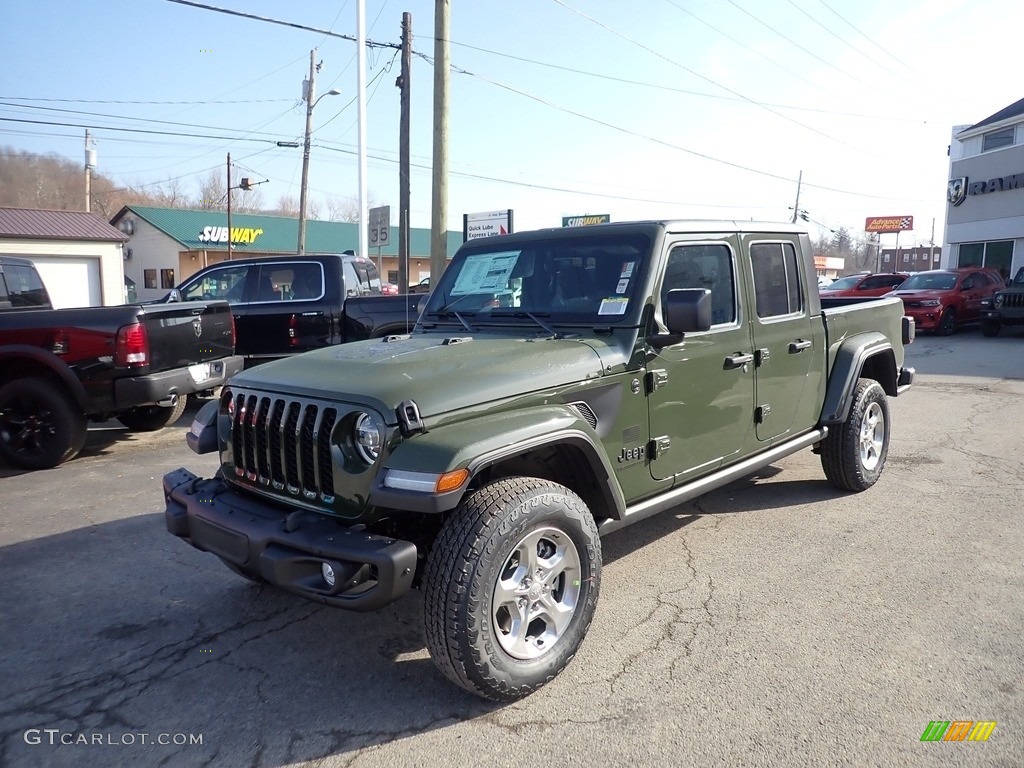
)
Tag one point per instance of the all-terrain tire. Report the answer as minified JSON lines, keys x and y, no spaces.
{"x":150,"y":418}
{"x":40,"y":426}
{"x":511,"y":586}
{"x":990,"y":328}
{"x":853,"y":453}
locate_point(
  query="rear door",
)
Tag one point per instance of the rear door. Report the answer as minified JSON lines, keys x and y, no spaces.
{"x":787,"y":339}
{"x":701,"y":390}
{"x":286,"y":311}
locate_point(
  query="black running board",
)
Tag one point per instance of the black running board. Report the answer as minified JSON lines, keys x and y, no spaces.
{"x":684,"y":493}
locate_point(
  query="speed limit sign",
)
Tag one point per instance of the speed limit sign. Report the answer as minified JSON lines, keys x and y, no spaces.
{"x":379,"y":222}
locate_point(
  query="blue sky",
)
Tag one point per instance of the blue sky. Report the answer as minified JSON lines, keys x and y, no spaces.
{"x":650,"y":109}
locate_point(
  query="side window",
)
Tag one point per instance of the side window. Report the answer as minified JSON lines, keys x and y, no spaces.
{"x":703,"y":266}
{"x":4,"y":302}
{"x":776,"y":279}
{"x":307,"y":282}
{"x":226,"y":283}
{"x":351,"y":280}
{"x":24,"y":287}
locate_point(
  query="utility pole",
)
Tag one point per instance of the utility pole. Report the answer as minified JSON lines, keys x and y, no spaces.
{"x":229,"y":206}
{"x":403,"y":154}
{"x":439,"y":201}
{"x":364,"y":219}
{"x":796,"y":205}
{"x":90,"y":163}
{"x":310,"y":93}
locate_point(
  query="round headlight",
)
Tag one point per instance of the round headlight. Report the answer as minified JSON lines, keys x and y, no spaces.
{"x":367,"y":435}
{"x":998,"y":300}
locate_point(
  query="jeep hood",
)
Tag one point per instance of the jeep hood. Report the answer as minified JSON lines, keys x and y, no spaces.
{"x":440,"y":373}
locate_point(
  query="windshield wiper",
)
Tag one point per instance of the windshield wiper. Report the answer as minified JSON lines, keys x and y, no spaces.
{"x":447,"y":311}
{"x":536,"y":317}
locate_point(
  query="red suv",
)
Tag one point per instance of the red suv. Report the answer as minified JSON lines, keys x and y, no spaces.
{"x":941,"y":299}
{"x":877,"y":284}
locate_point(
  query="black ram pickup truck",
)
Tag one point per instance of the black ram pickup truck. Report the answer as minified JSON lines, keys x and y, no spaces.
{"x":60,"y":368}
{"x":289,"y":304}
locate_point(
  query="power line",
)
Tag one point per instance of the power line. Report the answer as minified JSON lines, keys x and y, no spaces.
{"x":866,"y":37}
{"x":124,"y":101}
{"x":795,"y":44}
{"x":841,"y":40}
{"x":132,"y":130}
{"x":706,"y":78}
{"x":292,"y":24}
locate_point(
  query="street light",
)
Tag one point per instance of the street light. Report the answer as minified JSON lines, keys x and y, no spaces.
{"x":310,"y":103}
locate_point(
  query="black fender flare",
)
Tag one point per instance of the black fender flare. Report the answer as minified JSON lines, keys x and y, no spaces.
{"x":851,"y":358}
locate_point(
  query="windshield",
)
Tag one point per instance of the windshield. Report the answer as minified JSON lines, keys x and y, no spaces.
{"x":930,"y":281}
{"x":844,"y":282}
{"x":586,"y":280}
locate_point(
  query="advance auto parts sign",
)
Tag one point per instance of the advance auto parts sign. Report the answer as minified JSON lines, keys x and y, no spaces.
{"x":888,"y":223}
{"x":238,"y":234}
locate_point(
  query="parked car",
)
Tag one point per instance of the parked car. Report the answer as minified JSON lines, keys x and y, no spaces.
{"x":939,"y":300}
{"x":423,"y":286}
{"x":60,"y":368}
{"x":1004,"y":307}
{"x":877,"y":284}
{"x":481,"y":456}
{"x":289,"y":304}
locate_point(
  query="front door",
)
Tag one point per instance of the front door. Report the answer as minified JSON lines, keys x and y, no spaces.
{"x":701,"y":390}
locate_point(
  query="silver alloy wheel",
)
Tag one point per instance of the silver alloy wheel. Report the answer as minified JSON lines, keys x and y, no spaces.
{"x":872,"y":436}
{"x":536,"y":593}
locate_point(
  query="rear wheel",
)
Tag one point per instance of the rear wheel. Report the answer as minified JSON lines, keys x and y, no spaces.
{"x":991,"y":328}
{"x":947,"y":323}
{"x":854,"y":452}
{"x":511,"y":587}
{"x":150,"y":418}
{"x":40,"y":427}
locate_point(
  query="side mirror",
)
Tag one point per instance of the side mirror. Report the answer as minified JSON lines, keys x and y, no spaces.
{"x":688,"y":310}
{"x":173,"y":296}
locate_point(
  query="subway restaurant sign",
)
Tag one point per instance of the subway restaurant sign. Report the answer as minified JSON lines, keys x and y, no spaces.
{"x":238,"y":234}
{"x":583,"y":221}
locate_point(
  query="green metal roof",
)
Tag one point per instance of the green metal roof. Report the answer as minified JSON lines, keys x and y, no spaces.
{"x":260,"y":233}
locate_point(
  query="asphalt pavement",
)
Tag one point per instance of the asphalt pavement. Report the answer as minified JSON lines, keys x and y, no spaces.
{"x":774,"y":622}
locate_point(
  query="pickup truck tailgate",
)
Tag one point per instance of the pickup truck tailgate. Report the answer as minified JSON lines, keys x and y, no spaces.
{"x":185,"y":333}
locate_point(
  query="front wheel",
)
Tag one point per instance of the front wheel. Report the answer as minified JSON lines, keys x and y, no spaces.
{"x":150,"y":418}
{"x":511,"y":587}
{"x":990,"y":328}
{"x":853,"y":453}
{"x":40,"y":426}
{"x":947,"y":323}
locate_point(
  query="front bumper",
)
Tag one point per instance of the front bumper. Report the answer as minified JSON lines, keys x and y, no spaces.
{"x":925,"y":319}
{"x":287,"y":547}
{"x":1003,"y":317}
{"x":154,"y":387}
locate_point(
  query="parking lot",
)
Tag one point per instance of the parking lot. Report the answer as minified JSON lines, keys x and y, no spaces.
{"x":773,"y":622}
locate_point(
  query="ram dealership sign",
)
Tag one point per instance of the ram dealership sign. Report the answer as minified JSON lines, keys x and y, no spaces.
{"x":958,"y":189}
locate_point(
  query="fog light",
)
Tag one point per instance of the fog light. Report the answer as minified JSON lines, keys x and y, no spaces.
{"x":328,"y":573}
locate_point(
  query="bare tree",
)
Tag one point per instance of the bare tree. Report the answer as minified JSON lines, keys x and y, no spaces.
{"x":247,"y":201}
{"x":287,"y":205}
{"x":212,"y":193}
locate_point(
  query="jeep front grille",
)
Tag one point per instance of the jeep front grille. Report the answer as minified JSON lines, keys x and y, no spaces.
{"x":1013,"y":301}
{"x":284,"y":444}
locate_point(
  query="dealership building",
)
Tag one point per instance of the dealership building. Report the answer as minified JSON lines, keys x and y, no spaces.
{"x":164,"y":246}
{"x":985,"y":195}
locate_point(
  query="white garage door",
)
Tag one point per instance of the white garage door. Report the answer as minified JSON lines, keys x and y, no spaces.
{"x":72,"y":281}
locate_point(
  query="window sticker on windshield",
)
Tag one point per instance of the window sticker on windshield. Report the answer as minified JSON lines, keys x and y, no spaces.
{"x":627,"y":269}
{"x":622,"y":286}
{"x":613,"y":306}
{"x":485,"y":273}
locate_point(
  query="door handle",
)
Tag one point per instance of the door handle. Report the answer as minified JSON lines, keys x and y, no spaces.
{"x":798,"y":346}
{"x":738,"y":361}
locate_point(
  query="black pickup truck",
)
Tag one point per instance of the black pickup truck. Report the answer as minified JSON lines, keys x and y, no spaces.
{"x":60,"y":368}
{"x":288,"y":304}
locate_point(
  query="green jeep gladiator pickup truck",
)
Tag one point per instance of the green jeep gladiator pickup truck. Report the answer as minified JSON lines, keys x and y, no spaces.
{"x":559,"y":385}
